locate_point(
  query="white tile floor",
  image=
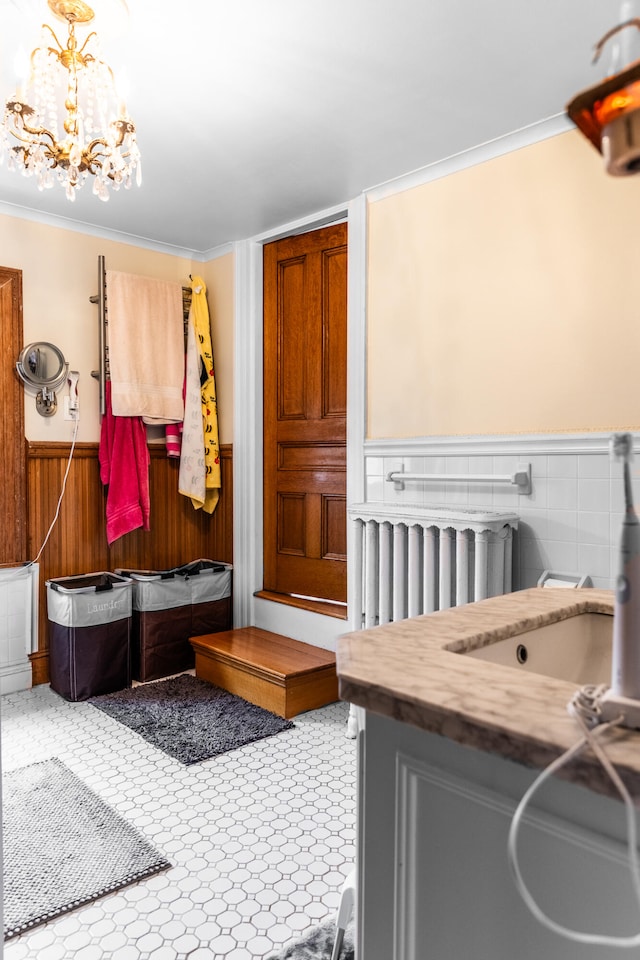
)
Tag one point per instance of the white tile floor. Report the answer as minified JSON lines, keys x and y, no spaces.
{"x":261,"y":838}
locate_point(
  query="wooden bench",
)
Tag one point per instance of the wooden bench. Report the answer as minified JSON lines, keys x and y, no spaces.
{"x":282,"y":675}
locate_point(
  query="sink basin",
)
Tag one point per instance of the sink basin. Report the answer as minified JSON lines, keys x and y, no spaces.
{"x":577,"y":649}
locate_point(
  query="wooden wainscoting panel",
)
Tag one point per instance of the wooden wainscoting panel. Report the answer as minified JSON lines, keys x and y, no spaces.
{"x":78,"y":542}
{"x":178,"y":533}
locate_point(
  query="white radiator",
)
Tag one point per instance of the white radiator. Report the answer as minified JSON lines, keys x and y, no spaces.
{"x":18,"y":625}
{"x":410,"y":560}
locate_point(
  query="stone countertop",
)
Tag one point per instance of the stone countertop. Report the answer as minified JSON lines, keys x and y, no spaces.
{"x":412,"y":671}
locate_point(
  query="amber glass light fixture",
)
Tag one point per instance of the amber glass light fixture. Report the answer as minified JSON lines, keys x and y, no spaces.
{"x":608,"y":113}
{"x":66,"y":123}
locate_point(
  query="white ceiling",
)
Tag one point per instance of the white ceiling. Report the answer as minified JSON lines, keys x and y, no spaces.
{"x":254,"y":113}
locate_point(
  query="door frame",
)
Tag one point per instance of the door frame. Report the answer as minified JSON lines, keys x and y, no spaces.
{"x":14,"y":404}
{"x":249,"y":610}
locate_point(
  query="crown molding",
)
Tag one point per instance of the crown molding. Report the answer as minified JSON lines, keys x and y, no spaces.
{"x":515,"y":140}
{"x":214,"y":253}
{"x":89,"y":229}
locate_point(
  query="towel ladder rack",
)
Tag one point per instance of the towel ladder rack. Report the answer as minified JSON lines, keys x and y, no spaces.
{"x":102,"y":373}
{"x":100,"y":298}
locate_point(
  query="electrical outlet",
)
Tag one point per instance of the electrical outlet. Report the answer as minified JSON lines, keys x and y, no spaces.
{"x":70,"y":414}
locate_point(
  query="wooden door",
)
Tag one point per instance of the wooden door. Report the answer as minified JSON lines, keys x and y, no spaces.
{"x":13,"y":499}
{"x":305,"y":405}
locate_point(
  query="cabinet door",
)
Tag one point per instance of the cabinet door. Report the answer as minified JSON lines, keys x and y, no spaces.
{"x":435,"y":880}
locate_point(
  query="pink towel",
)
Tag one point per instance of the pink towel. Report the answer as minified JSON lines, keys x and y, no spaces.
{"x":124,"y":467}
{"x":173,"y":439}
{"x":146,"y":347}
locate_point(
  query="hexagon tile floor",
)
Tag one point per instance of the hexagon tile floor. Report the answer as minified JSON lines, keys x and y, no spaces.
{"x":261,"y":838}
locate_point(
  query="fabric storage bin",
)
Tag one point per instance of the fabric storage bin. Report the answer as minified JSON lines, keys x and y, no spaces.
{"x":169,"y":607}
{"x":211,"y":602}
{"x":89,"y":634}
{"x":160,"y":624}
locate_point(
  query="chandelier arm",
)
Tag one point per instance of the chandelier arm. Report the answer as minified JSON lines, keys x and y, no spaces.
{"x":101,"y":153}
{"x":33,"y":132}
{"x":93,"y":157}
{"x":90,"y":149}
{"x":45,"y":26}
{"x":79,"y":52}
{"x":105,"y":143}
{"x":91,"y":162}
{"x":50,"y":151}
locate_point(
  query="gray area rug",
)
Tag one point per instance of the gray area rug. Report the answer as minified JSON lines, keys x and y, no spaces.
{"x":317,"y":944}
{"x":63,"y":846}
{"x":190,"y":719}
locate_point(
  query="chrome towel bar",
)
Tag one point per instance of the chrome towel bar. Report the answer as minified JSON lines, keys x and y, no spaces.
{"x":521,"y":478}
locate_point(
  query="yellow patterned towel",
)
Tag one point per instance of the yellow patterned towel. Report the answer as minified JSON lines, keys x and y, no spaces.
{"x":200,"y":315}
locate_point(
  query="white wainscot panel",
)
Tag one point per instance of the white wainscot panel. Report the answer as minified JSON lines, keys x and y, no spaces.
{"x":18,"y":625}
{"x":455,"y":897}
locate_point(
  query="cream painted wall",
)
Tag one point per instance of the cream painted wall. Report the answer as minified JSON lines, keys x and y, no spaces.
{"x":505,"y":299}
{"x":59,"y":274}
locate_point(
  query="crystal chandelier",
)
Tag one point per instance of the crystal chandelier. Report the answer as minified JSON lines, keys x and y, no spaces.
{"x":97,"y":138}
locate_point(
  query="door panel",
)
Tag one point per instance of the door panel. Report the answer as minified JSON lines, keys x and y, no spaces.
{"x":291,"y":341}
{"x":304,"y":456}
{"x":335,"y":340}
{"x":291,"y":524}
{"x":334,"y":542}
{"x":305,"y":355}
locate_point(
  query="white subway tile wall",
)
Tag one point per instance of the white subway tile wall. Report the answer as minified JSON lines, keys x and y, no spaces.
{"x":570,"y":523}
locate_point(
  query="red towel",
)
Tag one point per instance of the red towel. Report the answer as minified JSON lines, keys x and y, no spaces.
{"x":124,"y":467}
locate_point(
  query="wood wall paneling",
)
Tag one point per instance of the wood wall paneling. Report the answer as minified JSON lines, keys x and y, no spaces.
{"x":78,"y":542}
{"x":13,"y":542}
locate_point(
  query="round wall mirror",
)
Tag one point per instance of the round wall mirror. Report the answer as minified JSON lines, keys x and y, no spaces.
{"x":42,"y":367}
{"x":42,"y":364}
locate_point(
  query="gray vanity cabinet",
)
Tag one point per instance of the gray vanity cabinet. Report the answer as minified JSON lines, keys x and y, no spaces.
{"x":434,"y":879}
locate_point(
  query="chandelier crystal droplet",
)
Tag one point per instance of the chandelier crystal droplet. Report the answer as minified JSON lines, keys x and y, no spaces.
{"x":95,"y":137}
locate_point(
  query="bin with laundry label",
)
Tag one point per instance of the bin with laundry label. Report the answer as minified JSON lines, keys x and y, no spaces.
{"x":89,"y":634}
{"x":169,"y":606}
